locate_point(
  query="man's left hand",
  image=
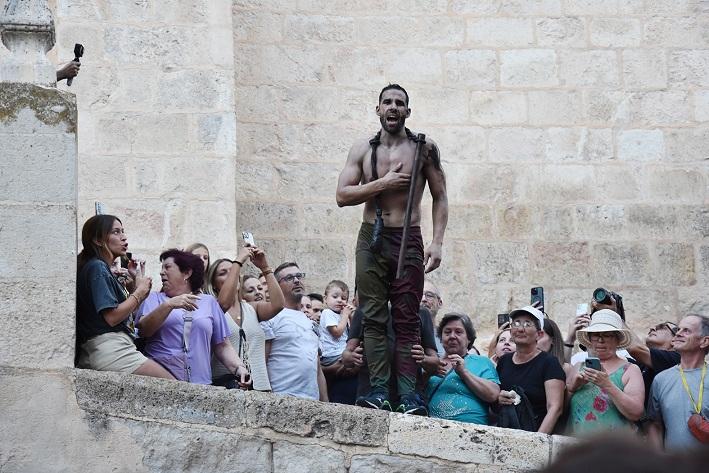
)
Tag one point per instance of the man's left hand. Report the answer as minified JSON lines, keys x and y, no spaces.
{"x":432,"y":256}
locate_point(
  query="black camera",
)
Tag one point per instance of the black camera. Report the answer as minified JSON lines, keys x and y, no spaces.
{"x":603,"y":296}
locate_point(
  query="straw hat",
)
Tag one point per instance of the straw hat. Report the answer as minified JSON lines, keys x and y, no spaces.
{"x":605,"y":321}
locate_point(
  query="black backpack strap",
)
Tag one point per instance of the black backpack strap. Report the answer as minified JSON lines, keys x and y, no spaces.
{"x":376,"y":243}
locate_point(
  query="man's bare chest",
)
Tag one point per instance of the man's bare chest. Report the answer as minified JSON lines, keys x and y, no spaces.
{"x":390,"y":158}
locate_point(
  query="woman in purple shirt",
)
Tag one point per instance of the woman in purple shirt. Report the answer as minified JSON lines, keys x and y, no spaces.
{"x":182,"y":326}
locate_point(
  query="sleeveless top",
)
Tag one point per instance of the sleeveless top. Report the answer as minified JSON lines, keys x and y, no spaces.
{"x":592,"y":409}
{"x":255,"y":347}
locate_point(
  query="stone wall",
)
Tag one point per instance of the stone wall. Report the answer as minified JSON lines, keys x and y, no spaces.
{"x":103,"y":422}
{"x":157,"y":126}
{"x":574,"y":135}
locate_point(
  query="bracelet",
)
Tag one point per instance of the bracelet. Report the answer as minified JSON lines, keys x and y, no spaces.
{"x":569,"y":345}
{"x":267,"y":271}
{"x":241,"y":265}
{"x":136,"y":299}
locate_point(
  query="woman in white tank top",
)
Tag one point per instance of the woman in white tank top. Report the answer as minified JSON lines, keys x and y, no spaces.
{"x":223,"y":281}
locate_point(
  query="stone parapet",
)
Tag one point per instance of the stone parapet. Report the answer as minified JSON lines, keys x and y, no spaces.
{"x":135,"y":423}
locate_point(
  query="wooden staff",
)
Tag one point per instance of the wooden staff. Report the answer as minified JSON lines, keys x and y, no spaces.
{"x":420,"y":141}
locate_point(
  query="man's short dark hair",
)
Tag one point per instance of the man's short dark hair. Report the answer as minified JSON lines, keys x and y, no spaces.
{"x":316,"y":296}
{"x":282,"y":266}
{"x":394,"y":87}
{"x":465,"y":320}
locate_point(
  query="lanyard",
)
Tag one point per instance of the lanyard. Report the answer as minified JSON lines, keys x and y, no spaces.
{"x":698,"y":405}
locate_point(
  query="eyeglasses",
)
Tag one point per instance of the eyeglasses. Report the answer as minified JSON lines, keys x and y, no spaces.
{"x":291,"y":277}
{"x":430,"y":296}
{"x":525,"y":324}
{"x":672,"y":327}
{"x":597,"y":337}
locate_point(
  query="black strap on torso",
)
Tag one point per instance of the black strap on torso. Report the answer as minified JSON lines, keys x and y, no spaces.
{"x":376,"y":243}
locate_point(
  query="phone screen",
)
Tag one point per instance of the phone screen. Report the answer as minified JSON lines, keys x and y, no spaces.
{"x":593,"y":363}
{"x":502,"y":319}
{"x":537,"y":295}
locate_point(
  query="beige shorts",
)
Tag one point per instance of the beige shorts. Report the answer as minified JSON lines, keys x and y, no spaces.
{"x":114,"y":351}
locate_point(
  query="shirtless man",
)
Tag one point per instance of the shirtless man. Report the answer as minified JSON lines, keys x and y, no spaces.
{"x":376,"y":263}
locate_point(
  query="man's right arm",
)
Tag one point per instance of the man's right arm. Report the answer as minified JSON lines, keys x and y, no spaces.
{"x":349,"y":190}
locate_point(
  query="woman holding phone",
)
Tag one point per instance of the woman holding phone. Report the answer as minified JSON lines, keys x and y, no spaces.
{"x":607,"y":392}
{"x":104,"y":306}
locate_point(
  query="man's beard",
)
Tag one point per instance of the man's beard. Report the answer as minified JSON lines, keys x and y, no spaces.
{"x":387,"y":127}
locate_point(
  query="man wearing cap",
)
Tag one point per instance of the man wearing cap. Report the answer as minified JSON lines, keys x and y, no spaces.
{"x":432,"y":301}
{"x":679,"y":398}
{"x":607,"y":391}
{"x":533,"y":371}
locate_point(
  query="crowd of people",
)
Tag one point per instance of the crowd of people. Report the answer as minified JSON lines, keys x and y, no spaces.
{"x":208,"y":323}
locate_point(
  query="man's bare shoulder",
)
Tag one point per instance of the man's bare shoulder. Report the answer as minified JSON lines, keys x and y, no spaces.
{"x":360,"y":148}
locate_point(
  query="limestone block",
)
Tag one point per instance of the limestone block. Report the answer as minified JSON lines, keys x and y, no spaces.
{"x":26,"y":300}
{"x":254,"y":454}
{"x":321,"y":220}
{"x":475,"y":183}
{"x":606,"y":107}
{"x":483,"y":7}
{"x":567,"y":31}
{"x":182,"y":177}
{"x":409,"y":65}
{"x":144,"y":133}
{"x":615,"y":32}
{"x":220,"y":46}
{"x":443,"y":31}
{"x":84,"y":9}
{"x":185,"y":90}
{"x":467,"y":443}
{"x":675,"y":185}
{"x":256,"y":27}
{"x":336,"y":422}
{"x":606,"y":186}
{"x":277,"y":63}
{"x":197,"y":11}
{"x":299,"y":181}
{"x":516,"y":144}
{"x":147,"y":223}
{"x":500,"y":262}
{"x":555,"y":222}
{"x":106,"y":176}
{"x":561,"y":264}
{"x":555,"y":107}
{"x":285,"y":5}
{"x":683,"y":32}
{"x":459,"y":144}
{"x":675,"y":264}
{"x":498,"y":108}
{"x":602,"y":222}
{"x":127,"y":11}
{"x":321,"y":259}
{"x":66,"y":440}
{"x":621,"y":263}
{"x":672,"y":7}
{"x":644,"y":69}
{"x":319,"y":29}
{"x":701,"y":105}
{"x":663,"y":222}
{"x":500,"y":32}
{"x":336,"y":7}
{"x":47,"y":157}
{"x":528,"y":68}
{"x":274,"y":219}
{"x":687,"y":144}
{"x":690,"y":68}
{"x":530,"y":7}
{"x":366,"y":463}
{"x":475,"y":68}
{"x":176,"y":46}
{"x":109,"y":393}
{"x":703,"y":265}
{"x":291,"y":457}
{"x":216,"y":133}
{"x":589,"y":68}
{"x":414,"y":7}
{"x":557,"y":183}
{"x":254,"y":180}
{"x":646,"y":307}
{"x":689,"y":299}
{"x":469,"y":222}
{"x":660,"y":108}
{"x":514,"y":221}
{"x":365,"y":66}
{"x":441,"y":106}
{"x":591,"y":7}
{"x":641,"y":145}
{"x":579,"y":144}
{"x":328,"y":104}
{"x":257,"y":141}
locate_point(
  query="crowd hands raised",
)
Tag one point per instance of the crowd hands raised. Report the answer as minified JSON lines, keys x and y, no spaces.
{"x":211,"y":324}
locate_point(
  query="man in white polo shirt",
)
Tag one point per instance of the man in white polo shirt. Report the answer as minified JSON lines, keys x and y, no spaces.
{"x":292,"y":343}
